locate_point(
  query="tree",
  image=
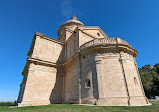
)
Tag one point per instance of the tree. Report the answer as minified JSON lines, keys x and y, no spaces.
{"x":147,"y":81}
{"x":150,"y":80}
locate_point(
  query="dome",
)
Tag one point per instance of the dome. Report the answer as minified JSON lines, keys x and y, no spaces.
{"x":74,"y":20}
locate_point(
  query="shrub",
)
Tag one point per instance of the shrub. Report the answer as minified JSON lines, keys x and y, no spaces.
{"x":6,"y":104}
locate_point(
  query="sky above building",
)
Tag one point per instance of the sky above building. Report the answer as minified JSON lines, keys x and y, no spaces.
{"x":136,"y":21}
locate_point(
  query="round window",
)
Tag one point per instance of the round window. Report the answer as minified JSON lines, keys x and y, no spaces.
{"x":98,"y":34}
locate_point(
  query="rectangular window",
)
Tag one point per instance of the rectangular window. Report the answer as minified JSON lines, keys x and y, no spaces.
{"x":88,"y":83}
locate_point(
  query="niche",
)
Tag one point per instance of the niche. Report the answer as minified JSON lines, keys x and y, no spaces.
{"x":135,"y":81}
{"x":88,"y":83}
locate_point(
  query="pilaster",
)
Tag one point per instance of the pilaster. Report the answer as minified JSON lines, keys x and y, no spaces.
{"x":101,"y":99}
{"x":122,"y":61}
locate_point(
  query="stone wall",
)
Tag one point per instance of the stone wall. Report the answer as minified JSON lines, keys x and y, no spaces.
{"x":56,"y":94}
{"x":72,"y":46}
{"x":43,"y":79}
{"x":89,"y":92}
{"x":116,"y":80}
{"x":46,"y":50}
{"x":111,"y":82}
{"x":71,"y":82}
{"x":83,"y":38}
{"x":40,"y":82}
{"x":135,"y":89}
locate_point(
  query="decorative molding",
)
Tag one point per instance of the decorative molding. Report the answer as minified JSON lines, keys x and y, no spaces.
{"x":47,"y":38}
{"x":43,"y":62}
{"x":95,"y":28}
{"x":108,"y":43}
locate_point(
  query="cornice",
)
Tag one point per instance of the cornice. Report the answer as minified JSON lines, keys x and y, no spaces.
{"x":95,"y":28}
{"x":68,"y":25}
{"x":47,"y":38}
{"x":87,"y":34}
{"x":40,"y":61}
{"x":120,"y":47}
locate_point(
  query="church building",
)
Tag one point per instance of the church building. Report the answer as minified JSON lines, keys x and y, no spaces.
{"x":84,"y":66}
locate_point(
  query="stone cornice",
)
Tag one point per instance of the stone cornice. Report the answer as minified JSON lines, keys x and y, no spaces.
{"x":87,"y":34}
{"x":114,"y":46}
{"x":95,"y":28}
{"x":47,"y":38}
{"x":68,"y":24}
{"x":105,"y":41}
{"x":81,"y":29}
{"x":40,"y":61}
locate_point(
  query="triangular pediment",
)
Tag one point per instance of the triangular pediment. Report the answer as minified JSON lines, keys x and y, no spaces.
{"x":94,"y":31}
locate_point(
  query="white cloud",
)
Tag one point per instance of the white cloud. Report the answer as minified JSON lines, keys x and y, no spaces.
{"x":66,"y":8}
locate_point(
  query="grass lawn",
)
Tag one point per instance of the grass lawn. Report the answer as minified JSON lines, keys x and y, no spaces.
{"x":80,"y":108}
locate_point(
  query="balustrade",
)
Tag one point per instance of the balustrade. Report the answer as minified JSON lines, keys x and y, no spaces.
{"x":104,"y":41}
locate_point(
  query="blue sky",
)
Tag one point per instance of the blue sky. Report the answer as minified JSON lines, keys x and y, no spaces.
{"x":136,"y":21}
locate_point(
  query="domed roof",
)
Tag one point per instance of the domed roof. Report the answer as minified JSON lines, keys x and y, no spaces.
{"x":74,"y":20}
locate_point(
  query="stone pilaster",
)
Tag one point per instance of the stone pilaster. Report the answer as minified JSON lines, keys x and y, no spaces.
{"x":101,"y":100}
{"x":122,"y":61}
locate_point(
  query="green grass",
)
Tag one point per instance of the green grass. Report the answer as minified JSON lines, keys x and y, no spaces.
{"x":80,"y":108}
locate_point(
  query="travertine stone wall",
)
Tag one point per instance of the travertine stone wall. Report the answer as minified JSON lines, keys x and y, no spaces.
{"x":57,"y":90}
{"x":104,"y":69}
{"x":111,"y":78}
{"x":88,"y":72}
{"x":131,"y":76}
{"x":71,"y":82}
{"x":133,"y":80}
{"x":46,"y":50}
{"x":116,"y":80}
{"x":83,"y":38}
{"x":112,"y":71}
{"x":70,"y":31}
{"x":72,"y":46}
{"x":40,"y":82}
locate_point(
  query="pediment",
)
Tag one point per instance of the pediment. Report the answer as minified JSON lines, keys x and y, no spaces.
{"x":94,"y":31}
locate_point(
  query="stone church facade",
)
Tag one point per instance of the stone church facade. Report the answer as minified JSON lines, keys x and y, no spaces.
{"x":84,"y":66}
